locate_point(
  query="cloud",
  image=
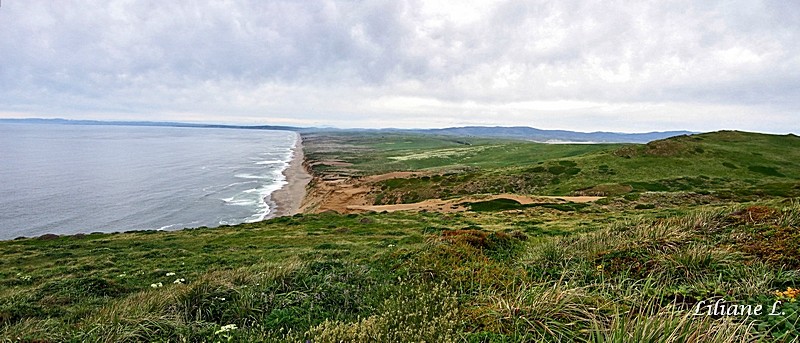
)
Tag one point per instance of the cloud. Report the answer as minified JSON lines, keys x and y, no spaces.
{"x":645,"y":65}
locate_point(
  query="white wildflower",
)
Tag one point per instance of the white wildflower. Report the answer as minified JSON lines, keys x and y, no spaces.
{"x":179,"y":281}
{"x":156,"y":285}
{"x":170,"y":274}
{"x":226,"y":328}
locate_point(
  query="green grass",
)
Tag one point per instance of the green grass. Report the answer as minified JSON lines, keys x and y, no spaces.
{"x":533,"y":274}
{"x":52,"y":287}
{"x":677,"y":164}
{"x":730,"y":164}
{"x":374,"y":153}
{"x":627,"y":268}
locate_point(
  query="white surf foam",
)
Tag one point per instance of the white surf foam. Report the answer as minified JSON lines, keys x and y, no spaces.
{"x":272,"y":180}
{"x":251,"y":176}
{"x":269,"y":162}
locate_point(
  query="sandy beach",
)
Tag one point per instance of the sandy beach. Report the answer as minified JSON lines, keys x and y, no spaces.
{"x":288,"y":199}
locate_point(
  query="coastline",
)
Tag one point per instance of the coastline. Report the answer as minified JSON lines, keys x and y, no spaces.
{"x":288,"y":199}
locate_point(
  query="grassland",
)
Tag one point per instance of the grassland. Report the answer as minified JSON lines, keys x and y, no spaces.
{"x":730,"y":164}
{"x":374,"y":153}
{"x":631,"y":267}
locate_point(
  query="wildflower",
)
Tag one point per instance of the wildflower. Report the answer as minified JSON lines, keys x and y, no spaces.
{"x":170,"y":274}
{"x":226,"y":328}
{"x":179,"y":281}
{"x":156,"y":285}
{"x":789,"y":294}
{"x":391,"y":245}
{"x":600,"y":267}
{"x":122,"y":275}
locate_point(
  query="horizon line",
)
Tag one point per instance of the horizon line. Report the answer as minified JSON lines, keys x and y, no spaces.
{"x":127,"y":122}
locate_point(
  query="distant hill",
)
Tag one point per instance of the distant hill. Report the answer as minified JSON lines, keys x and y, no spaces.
{"x":59,"y":121}
{"x":516,"y":132}
{"x":538,"y":135}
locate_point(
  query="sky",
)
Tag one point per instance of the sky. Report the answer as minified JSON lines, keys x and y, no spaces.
{"x":622,"y":66}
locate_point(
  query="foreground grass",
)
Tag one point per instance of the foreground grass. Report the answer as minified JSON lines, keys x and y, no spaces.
{"x":473,"y":277}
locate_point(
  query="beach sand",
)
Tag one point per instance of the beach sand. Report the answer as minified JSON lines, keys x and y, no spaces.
{"x":288,"y":199}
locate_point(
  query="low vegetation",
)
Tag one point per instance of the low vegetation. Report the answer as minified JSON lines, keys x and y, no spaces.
{"x":729,"y":164}
{"x":636,"y":266}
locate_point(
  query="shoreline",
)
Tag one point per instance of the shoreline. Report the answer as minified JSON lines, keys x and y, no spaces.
{"x":288,"y":199}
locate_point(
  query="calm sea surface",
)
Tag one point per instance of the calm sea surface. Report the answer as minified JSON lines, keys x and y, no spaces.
{"x":67,"y":179}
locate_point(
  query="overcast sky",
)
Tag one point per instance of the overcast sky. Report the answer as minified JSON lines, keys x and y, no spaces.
{"x":576,"y":65}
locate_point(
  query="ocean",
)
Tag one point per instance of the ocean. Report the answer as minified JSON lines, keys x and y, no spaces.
{"x":67,"y":179}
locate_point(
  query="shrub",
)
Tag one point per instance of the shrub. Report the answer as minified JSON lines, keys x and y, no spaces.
{"x":768,"y":171}
{"x":415,"y":313}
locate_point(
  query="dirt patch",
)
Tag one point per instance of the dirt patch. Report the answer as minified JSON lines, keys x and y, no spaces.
{"x":579,"y":199}
{"x":389,"y":176}
{"x":754,"y":215}
{"x":758,"y":231}
{"x":345,"y":194}
{"x":457,"y":204}
{"x":335,"y":195}
{"x":776,"y":245}
{"x":431,"y":205}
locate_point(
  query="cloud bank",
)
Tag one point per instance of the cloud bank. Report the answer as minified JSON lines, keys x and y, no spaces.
{"x":616,"y":66}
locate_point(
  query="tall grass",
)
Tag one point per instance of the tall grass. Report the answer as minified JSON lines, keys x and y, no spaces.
{"x":416,"y":313}
{"x":671,"y":327}
{"x":650,"y":272}
{"x":635,"y":280}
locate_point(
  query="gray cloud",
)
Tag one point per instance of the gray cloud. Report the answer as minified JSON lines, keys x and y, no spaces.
{"x":561,"y":64}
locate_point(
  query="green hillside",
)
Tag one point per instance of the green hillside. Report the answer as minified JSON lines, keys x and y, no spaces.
{"x":371,"y":153}
{"x":728,"y":161}
{"x":728,"y":164}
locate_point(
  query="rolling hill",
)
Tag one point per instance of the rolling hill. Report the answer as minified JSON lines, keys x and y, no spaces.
{"x":726,"y":163}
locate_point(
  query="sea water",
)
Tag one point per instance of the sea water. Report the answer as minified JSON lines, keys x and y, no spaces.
{"x":67,"y":179}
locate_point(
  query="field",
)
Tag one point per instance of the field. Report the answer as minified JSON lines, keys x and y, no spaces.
{"x":731,"y":164}
{"x":374,"y":153}
{"x":682,"y":223}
